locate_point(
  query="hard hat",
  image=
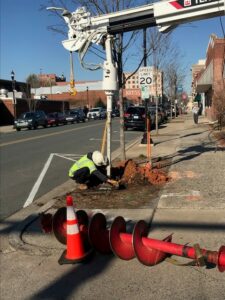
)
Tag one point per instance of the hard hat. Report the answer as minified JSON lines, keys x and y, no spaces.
{"x":98,"y":158}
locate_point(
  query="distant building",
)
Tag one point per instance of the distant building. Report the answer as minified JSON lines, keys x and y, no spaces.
{"x":209,"y":75}
{"x":87,"y":93}
{"x":50,"y":79}
{"x":12,"y":105}
{"x":22,"y":89}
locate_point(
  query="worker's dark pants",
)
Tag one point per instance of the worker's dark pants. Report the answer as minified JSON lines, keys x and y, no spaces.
{"x":195,"y":118}
{"x":83,"y":176}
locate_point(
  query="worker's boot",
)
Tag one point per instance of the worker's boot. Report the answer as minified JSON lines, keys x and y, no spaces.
{"x":82,"y":186}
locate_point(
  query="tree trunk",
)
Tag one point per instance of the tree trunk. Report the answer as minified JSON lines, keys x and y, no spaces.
{"x":122,"y":135}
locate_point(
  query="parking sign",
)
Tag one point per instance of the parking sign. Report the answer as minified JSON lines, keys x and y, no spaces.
{"x":144,"y":92}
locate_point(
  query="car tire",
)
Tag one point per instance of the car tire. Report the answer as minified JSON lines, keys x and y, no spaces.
{"x":35,"y":126}
{"x":18,"y":129}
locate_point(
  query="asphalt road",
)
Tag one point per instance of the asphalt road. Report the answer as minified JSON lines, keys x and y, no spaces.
{"x":28,"y":156}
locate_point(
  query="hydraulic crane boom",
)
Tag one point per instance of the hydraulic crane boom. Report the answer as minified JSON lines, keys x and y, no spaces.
{"x":164,"y":14}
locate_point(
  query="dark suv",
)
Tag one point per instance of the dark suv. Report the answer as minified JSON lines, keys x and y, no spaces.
{"x":31,"y":120}
{"x":134,"y":117}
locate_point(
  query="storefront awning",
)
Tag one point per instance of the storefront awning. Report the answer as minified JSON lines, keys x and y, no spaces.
{"x":203,"y":88}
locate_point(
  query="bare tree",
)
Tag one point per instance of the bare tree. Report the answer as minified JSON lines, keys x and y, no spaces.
{"x":122,"y":42}
{"x":174,"y":73}
{"x":98,"y":7}
{"x":219,"y":100}
{"x":34,"y":83}
{"x":33,"y":80}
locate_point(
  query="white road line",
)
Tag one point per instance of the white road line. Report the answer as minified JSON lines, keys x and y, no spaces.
{"x":38,"y":182}
{"x":192,"y":193}
{"x":69,"y":154}
{"x":93,"y":139}
{"x":65,"y":157}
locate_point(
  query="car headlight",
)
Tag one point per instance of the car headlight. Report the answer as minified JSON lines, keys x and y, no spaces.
{"x":29,"y":120}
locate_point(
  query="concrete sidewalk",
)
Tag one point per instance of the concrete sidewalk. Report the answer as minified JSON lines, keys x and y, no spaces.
{"x":191,"y":206}
{"x":6,"y":129}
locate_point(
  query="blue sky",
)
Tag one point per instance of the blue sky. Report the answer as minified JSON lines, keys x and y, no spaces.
{"x":27,"y":46}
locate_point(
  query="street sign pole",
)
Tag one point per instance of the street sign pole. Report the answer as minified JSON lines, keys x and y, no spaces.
{"x":145,"y":81}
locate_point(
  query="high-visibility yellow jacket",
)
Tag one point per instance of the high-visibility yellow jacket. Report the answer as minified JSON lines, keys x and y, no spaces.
{"x":83,"y":162}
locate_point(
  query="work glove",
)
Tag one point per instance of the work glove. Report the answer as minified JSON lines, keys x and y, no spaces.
{"x":113,"y":182}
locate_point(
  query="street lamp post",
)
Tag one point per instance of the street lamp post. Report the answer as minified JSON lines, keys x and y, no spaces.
{"x":13,"y":90}
{"x":87,"y":98}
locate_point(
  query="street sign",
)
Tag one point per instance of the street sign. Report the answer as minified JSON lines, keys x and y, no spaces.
{"x":144,"y":92}
{"x":145,"y":76}
{"x":180,"y":89}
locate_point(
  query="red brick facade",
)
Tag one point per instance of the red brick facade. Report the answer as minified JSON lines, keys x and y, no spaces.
{"x":215,"y":56}
{"x":88,"y":98}
{"x":23,"y":105}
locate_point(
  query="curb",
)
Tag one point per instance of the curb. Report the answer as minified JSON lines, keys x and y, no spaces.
{"x":15,"y":237}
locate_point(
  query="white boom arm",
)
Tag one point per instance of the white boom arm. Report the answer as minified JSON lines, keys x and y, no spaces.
{"x":164,"y":14}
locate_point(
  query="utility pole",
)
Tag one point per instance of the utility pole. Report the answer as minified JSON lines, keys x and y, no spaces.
{"x":144,"y":138}
{"x":87,"y":98}
{"x":13,"y":91}
{"x":156,"y":92}
{"x":147,"y":115}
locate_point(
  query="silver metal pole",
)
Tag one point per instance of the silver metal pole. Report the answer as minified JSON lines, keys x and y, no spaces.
{"x":109,"y":129}
{"x":156,"y":104}
{"x":110,"y":84}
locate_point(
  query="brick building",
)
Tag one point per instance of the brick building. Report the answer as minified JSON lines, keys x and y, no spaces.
{"x":50,"y":79}
{"x":23,"y":102}
{"x":209,"y":78}
{"x":88,"y":93}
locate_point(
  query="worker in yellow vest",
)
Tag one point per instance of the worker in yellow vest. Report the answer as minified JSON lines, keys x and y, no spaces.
{"x":89,"y":171}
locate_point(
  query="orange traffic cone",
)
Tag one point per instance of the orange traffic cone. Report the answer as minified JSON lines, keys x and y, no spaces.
{"x":75,"y":251}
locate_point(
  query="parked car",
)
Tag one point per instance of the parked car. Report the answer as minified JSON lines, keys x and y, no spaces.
{"x":152,"y":114}
{"x":103,"y":114}
{"x":96,"y":113}
{"x":160,"y":114}
{"x":56,"y":118}
{"x":134,"y":117}
{"x":71,"y":117}
{"x":80,"y":113}
{"x":31,"y":120}
{"x":51,"y":119}
{"x":59,"y":118}
{"x":115,"y":113}
{"x":163,"y":113}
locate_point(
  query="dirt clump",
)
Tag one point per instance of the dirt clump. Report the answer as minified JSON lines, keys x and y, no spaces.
{"x":132,"y":172}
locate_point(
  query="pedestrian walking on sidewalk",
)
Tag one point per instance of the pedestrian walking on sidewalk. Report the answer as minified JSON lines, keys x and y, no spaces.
{"x":90,"y":170}
{"x":195,"y":112}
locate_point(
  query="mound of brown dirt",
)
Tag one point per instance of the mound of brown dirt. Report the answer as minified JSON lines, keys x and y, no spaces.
{"x":130,"y":172}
